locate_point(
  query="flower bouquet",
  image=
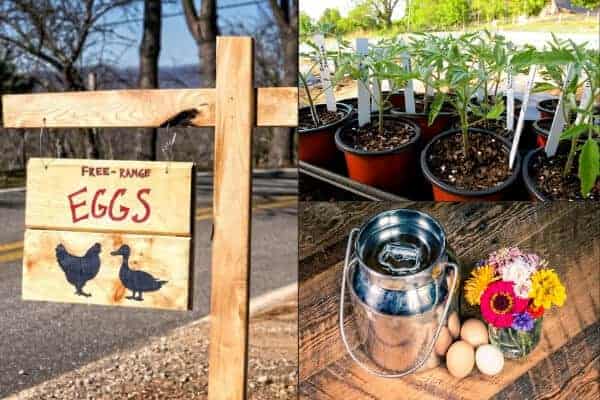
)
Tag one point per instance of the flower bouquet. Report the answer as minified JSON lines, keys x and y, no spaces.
{"x":513,"y":290}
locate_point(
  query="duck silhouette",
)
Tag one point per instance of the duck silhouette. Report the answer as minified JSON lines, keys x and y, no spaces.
{"x":134,"y":280}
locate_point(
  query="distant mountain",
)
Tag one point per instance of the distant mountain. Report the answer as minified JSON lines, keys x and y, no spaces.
{"x":169,"y":77}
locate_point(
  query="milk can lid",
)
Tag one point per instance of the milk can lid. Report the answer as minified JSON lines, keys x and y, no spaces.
{"x":400,"y":243}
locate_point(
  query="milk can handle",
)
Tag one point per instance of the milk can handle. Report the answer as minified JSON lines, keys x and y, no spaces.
{"x":419,"y":364}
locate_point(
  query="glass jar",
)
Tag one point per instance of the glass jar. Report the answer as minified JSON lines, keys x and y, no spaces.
{"x":515,"y":343}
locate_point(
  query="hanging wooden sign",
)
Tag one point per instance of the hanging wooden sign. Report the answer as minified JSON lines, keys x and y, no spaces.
{"x":108,"y":232}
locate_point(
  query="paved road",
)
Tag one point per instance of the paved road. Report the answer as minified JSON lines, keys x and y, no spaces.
{"x":41,"y":340}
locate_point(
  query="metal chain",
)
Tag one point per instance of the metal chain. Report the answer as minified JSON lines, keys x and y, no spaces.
{"x":42,"y":131}
{"x":167,"y":148}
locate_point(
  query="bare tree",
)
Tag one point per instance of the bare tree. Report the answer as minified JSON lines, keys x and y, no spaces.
{"x":54,"y":36}
{"x":383,"y":10}
{"x":285,"y":13}
{"x":204,"y":30}
{"x":145,"y":139}
{"x":57,"y":33}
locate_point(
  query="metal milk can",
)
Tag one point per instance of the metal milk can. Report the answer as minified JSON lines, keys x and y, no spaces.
{"x":403,"y":283}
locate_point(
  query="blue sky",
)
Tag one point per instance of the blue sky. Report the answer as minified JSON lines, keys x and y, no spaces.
{"x":178,"y":46}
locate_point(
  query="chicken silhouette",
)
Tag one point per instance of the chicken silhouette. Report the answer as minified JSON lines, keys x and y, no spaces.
{"x":79,"y":270}
{"x":134,"y":280}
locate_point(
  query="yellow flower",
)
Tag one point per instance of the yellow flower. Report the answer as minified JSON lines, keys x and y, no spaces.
{"x":480,"y":279}
{"x":546,"y":289}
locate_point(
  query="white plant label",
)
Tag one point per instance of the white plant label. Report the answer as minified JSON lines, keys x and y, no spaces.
{"x":480,"y":92}
{"x":559,"y":121}
{"x":586,"y":98}
{"x":409,"y":91}
{"x":429,"y":91}
{"x":510,"y":101}
{"x":515,"y":144}
{"x":364,"y":98}
{"x":325,"y":73}
{"x":375,"y":91}
{"x":374,"y":95}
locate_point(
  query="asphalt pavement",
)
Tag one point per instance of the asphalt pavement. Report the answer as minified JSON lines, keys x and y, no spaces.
{"x":40,"y":340}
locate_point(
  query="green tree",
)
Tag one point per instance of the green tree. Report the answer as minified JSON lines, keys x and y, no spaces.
{"x":306,"y":24}
{"x":488,"y":10}
{"x":330,"y":17}
{"x":454,"y":12}
{"x":360,"y":17}
{"x":589,"y":4}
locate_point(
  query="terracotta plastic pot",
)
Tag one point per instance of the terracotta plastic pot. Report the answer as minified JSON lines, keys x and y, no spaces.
{"x":390,"y":170}
{"x":444,"y":192}
{"x":542,"y":131}
{"x":317,"y":145}
{"x":547,"y":108}
{"x":444,"y":121}
{"x":396,"y":100}
{"x":541,"y":128}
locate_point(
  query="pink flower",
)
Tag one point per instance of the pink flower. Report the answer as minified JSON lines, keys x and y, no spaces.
{"x":499,"y":302}
{"x":503,"y":256}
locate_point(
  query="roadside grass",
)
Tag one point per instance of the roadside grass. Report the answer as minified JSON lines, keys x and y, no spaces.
{"x":577,"y":23}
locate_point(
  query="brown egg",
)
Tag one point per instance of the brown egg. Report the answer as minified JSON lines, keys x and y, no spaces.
{"x":474,"y":332}
{"x":454,"y":324}
{"x":444,"y":341}
{"x":460,"y":359}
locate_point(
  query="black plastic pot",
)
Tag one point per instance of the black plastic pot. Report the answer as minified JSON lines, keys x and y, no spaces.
{"x":317,"y":145}
{"x":518,"y":104}
{"x":547,"y":108}
{"x":534,"y":193}
{"x":389,"y":170}
{"x":444,"y":192}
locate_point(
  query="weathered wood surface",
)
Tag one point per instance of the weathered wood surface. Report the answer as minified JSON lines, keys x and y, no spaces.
{"x":232,"y":216}
{"x":567,"y":234}
{"x":107,"y":196}
{"x":139,"y":108}
{"x":165,"y":258}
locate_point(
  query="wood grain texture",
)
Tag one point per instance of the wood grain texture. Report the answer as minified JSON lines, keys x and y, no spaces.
{"x":138,"y":108}
{"x":165,"y":258}
{"x":166,"y":197}
{"x":231,"y":210}
{"x":568,"y":234}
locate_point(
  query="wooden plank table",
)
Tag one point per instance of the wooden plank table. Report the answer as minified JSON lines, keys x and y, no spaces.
{"x":566,"y":363}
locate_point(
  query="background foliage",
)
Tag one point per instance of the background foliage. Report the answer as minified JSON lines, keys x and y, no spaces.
{"x":428,"y":15}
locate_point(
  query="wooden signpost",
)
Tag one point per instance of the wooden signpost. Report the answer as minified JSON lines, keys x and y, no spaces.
{"x":234,"y":108}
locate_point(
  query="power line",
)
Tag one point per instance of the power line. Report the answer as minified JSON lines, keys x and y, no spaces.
{"x":180,"y":13}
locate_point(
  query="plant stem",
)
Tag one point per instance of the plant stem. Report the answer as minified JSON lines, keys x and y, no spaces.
{"x":380,"y":106}
{"x":464,"y":124}
{"x":311,"y":104}
{"x":575,"y":139}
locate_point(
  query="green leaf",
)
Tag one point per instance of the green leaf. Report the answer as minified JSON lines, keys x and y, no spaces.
{"x":547,"y":58}
{"x":496,"y":111}
{"x":574,"y":131}
{"x":436,"y":106}
{"x":544,"y":87}
{"x":589,"y":166}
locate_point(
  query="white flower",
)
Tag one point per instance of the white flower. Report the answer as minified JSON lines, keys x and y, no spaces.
{"x":518,"y":271}
{"x":522,"y":289}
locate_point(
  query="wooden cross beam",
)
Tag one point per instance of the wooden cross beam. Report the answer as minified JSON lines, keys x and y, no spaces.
{"x":234,"y":108}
